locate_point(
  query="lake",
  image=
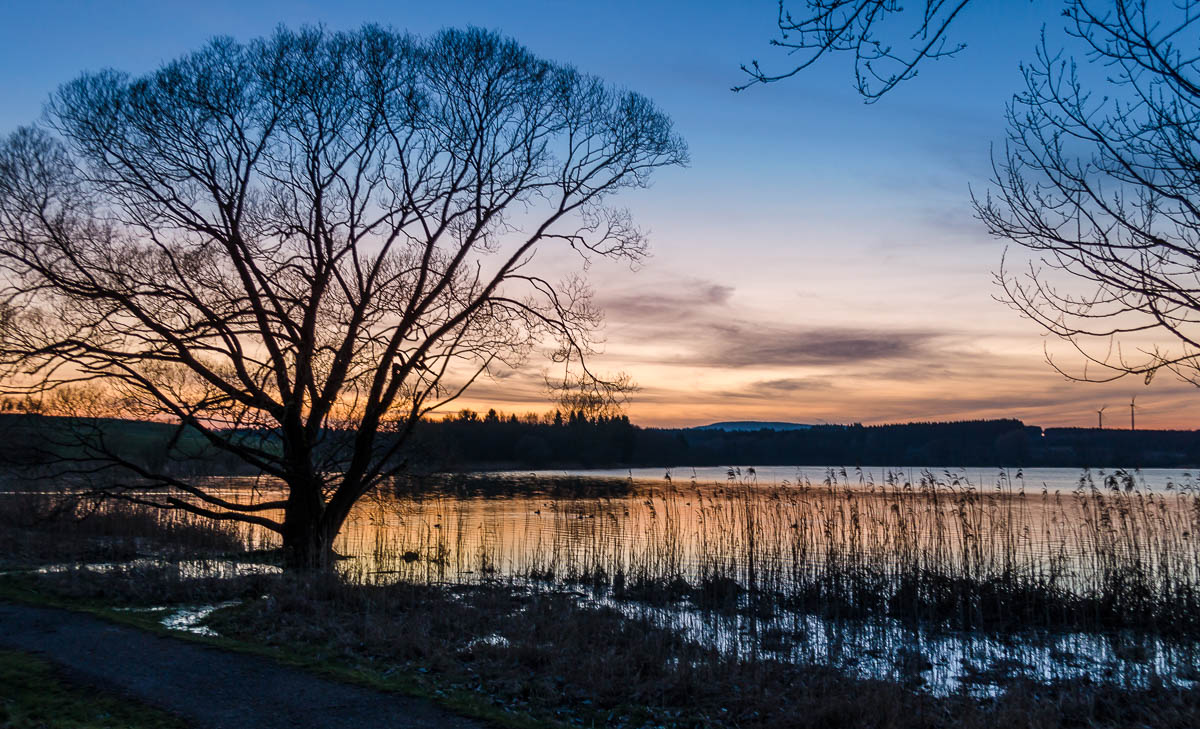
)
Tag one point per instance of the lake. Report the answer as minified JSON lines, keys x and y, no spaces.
{"x":944,"y":578}
{"x":1054,"y":479}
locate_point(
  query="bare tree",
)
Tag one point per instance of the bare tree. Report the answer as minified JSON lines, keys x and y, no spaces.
{"x":591,"y":397}
{"x":887,"y":40}
{"x":1099,"y":177}
{"x":298,"y":246}
{"x":1104,"y":192}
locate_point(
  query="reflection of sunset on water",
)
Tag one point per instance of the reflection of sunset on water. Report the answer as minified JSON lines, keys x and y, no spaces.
{"x":789,"y":538}
{"x":1044,"y":574}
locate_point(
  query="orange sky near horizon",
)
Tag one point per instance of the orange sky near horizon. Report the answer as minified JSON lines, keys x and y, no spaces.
{"x":704,"y":352}
{"x":819,"y":260}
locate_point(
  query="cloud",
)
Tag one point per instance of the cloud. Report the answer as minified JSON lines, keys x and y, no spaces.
{"x":507,"y":388}
{"x":701,"y":354}
{"x":693,"y":317}
{"x":681,"y":300}
{"x":789,"y":384}
{"x":748,"y":345}
{"x":776,"y":389}
{"x":733,"y":344}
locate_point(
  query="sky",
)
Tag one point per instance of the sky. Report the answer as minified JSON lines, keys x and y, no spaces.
{"x":817,"y":261}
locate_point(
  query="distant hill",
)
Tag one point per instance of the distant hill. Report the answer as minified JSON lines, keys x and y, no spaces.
{"x":752,"y":425}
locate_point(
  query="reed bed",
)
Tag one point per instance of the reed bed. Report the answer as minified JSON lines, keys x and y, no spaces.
{"x":625,"y":602}
{"x":934,"y":549}
{"x":930,"y":548}
{"x":45,"y":527}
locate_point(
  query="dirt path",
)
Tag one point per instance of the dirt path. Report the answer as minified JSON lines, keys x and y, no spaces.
{"x":206,"y":686}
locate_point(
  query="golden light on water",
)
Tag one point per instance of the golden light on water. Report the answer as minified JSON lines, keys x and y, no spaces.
{"x":780,"y":537}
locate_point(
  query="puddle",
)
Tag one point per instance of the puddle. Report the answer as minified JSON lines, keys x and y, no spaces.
{"x":495,"y":640}
{"x":938,"y":662}
{"x":188,"y":619}
{"x":188,"y":568}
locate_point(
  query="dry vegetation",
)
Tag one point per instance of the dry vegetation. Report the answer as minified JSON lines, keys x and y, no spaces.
{"x":571,"y":630}
{"x":937,"y":550}
{"x":40,"y":528}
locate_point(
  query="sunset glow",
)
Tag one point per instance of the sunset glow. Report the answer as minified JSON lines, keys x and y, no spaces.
{"x":817,"y":262}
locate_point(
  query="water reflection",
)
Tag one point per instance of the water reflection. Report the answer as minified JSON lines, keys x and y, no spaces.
{"x":928,"y":578}
{"x":1032,"y":479}
{"x":938,"y":579}
{"x":186,"y":618}
{"x":939,"y":662}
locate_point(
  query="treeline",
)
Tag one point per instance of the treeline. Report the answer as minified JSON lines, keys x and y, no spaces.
{"x":469,"y":441}
{"x":494,"y":440}
{"x":577,"y":441}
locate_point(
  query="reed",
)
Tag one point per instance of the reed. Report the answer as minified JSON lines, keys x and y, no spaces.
{"x":44,"y":527}
{"x":737,"y":603}
{"x":928,"y":548}
{"x":934,"y":549}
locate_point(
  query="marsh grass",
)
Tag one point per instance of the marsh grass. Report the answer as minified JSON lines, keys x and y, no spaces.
{"x":936,"y":549}
{"x":55,"y":527}
{"x":601,"y":608}
{"x":545,"y":655}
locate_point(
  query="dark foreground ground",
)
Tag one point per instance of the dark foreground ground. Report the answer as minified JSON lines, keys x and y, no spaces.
{"x":207,"y":687}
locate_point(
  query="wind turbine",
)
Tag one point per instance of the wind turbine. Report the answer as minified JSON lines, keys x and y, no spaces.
{"x":1100,"y":415}
{"x":1131,"y":422}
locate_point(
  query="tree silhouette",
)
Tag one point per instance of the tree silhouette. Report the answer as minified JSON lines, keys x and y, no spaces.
{"x":1098,"y":179}
{"x":868,"y":29}
{"x":298,"y":246}
{"x":1104,"y":193}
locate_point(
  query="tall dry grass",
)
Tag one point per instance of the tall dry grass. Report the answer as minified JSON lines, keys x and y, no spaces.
{"x":931,"y":548}
{"x":935,"y":548}
{"x":38,"y":528}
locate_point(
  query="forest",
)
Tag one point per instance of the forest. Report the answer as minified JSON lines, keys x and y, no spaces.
{"x":470,"y":441}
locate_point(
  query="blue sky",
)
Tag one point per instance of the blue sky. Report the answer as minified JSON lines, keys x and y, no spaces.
{"x":809,"y":226}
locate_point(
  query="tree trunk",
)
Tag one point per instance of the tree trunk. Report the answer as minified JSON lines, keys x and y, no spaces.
{"x":307,"y":540}
{"x":306,"y":549}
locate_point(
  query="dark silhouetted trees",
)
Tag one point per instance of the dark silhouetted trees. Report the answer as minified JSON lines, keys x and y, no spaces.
{"x":1103,"y":192}
{"x":1098,"y":181}
{"x":296,"y":247}
{"x":888,"y":39}
{"x":459,"y":443}
{"x":466,"y":443}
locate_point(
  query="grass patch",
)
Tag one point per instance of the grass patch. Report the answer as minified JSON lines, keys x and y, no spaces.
{"x":34,"y":695}
{"x":47,"y":528}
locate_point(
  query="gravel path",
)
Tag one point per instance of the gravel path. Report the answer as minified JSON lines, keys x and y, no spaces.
{"x":207,"y":687}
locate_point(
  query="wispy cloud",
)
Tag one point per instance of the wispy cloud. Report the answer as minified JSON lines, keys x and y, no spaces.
{"x":790,"y":384}
{"x":776,"y":389}
{"x":739,"y":344}
{"x":703,"y":353}
{"x":693,"y":323}
{"x":666,"y":301}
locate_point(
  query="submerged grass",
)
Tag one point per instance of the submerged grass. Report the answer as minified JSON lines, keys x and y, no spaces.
{"x":545,"y":655}
{"x":526,"y":658}
{"x":49,"y":527}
